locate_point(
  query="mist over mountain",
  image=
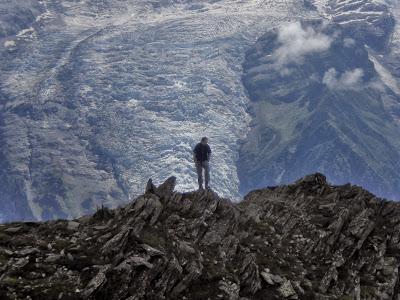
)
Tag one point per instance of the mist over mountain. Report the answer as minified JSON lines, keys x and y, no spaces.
{"x":98,"y":96}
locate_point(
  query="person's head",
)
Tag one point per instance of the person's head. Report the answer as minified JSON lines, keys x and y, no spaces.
{"x":204,"y":140}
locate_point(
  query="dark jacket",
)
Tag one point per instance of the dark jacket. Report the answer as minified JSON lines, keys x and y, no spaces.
{"x":202,"y":152}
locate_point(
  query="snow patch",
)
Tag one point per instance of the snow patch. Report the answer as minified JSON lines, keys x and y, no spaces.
{"x":9,"y":44}
{"x":388,"y":79}
{"x":44,"y":16}
{"x":26,"y":33}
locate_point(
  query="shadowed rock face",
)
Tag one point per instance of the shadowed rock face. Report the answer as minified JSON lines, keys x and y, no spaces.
{"x":307,"y":240}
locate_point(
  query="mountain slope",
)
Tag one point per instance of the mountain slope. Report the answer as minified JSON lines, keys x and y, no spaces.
{"x":307,"y":240}
{"x":324,"y":98}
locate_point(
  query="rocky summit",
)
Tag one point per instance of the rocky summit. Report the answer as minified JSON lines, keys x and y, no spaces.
{"x":306,"y":240}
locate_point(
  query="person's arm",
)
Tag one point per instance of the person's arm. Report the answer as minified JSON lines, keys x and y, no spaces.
{"x":209,"y":153}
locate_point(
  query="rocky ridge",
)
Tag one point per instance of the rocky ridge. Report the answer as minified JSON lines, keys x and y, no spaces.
{"x":307,"y":240}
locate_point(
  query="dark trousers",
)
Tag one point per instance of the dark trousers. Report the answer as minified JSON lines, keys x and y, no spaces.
{"x":200,"y":165}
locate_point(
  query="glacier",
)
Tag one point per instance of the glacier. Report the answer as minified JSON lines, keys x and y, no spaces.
{"x":96,"y":97}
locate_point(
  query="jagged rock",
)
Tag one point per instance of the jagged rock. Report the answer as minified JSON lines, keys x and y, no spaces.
{"x":96,"y":282}
{"x":277,"y":279}
{"x":101,"y":227}
{"x":330,"y":275}
{"x":53,"y":258}
{"x":18,"y":264}
{"x":166,"y":189}
{"x":150,"y":187}
{"x":139,"y":261}
{"x":27,"y":251}
{"x":151,"y":251}
{"x":6,"y":252}
{"x":230,"y":289}
{"x":186,"y":248}
{"x":297,"y":287}
{"x":308,"y":240}
{"x":287,"y":291}
{"x":69,"y":256}
{"x":336,"y":227}
{"x":72,"y":225}
{"x":193,"y":270}
{"x":250,"y":279}
{"x":13,"y":229}
{"x":117,"y":243}
{"x":316,"y":178}
{"x":267,"y":277}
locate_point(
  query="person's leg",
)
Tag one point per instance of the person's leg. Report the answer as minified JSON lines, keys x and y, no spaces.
{"x":207,"y":173}
{"x":199,"y":171}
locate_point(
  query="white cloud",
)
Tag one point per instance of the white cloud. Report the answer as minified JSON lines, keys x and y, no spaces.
{"x":347,"y":80}
{"x":296,"y":42}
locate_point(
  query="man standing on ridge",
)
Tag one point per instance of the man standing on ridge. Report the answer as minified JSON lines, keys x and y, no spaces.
{"x":201,"y":157}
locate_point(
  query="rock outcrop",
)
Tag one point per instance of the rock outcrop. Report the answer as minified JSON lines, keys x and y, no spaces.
{"x":307,"y":240}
